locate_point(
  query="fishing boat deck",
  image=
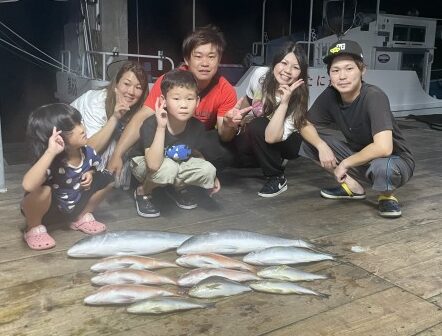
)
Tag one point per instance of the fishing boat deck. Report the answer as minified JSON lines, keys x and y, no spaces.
{"x":392,"y":286}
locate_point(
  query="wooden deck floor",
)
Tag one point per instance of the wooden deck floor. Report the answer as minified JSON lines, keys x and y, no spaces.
{"x":393,"y":288}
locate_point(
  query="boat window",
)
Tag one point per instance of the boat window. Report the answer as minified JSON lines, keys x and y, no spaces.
{"x":406,"y":33}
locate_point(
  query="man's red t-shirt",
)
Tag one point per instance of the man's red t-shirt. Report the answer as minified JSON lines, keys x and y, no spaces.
{"x":220,"y":99}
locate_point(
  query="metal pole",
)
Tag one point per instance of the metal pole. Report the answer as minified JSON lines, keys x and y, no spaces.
{"x":138,"y":34}
{"x":290,"y":19}
{"x":342,"y":19}
{"x":310,"y":31}
{"x":2,"y":167}
{"x":262,"y":28}
{"x":378,"y":5}
{"x":193,"y":15}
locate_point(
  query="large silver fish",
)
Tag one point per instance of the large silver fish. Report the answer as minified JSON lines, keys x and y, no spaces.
{"x":134,"y":262}
{"x":131,"y":276}
{"x":213,"y":260}
{"x":282,"y":287}
{"x":161,"y":305}
{"x":126,"y":243}
{"x":235,"y":242}
{"x":215,"y":286}
{"x":195,"y":276}
{"x":287,"y":273}
{"x":281,"y":255}
{"x":120,"y":294}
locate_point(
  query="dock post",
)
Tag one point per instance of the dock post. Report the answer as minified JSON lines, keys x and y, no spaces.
{"x":2,"y":167}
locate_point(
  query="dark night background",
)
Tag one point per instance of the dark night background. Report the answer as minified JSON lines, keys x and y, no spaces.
{"x":26,"y":83}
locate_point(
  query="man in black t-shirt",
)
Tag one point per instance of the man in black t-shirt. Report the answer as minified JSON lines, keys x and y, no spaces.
{"x":375,"y":151}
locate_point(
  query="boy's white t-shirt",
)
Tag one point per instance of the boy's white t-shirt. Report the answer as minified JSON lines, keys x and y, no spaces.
{"x":254,"y":92}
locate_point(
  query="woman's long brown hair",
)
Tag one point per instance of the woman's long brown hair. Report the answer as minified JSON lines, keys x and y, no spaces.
{"x":298,"y":103}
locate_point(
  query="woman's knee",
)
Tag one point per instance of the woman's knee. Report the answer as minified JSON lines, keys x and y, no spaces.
{"x":257,"y":126}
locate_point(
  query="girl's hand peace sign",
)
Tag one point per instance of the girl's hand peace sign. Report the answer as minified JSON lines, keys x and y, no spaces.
{"x":55,"y":142}
{"x":160,"y":112}
{"x":287,"y":90}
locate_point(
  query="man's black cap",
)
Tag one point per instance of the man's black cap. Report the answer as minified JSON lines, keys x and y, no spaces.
{"x":343,"y":47}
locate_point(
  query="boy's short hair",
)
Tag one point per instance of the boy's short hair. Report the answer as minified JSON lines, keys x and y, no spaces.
{"x":204,"y":35}
{"x":178,"y":78}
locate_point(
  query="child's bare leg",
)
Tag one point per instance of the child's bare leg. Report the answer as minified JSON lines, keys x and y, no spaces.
{"x":96,"y":199}
{"x":86,"y":221}
{"x":35,"y":205}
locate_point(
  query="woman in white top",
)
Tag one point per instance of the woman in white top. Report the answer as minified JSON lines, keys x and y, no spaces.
{"x":106,"y":112}
{"x":270,"y":132}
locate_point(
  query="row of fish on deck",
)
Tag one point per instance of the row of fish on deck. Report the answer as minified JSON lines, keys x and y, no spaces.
{"x":127,"y":276}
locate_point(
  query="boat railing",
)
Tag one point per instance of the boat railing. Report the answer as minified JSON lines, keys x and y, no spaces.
{"x":65,"y":54}
{"x":106,"y":58}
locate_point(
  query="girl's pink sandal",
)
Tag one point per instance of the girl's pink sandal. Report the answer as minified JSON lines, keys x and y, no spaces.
{"x":88,"y":224}
{"x":38,"y":238}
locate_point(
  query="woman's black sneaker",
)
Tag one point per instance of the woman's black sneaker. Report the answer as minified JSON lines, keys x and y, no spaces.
{"x":274,"y":186}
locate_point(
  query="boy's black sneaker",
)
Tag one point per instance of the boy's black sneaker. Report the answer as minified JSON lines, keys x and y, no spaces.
{"x":274,"y":186}
{"x":182,"y":198}
{"x":145,"y":207}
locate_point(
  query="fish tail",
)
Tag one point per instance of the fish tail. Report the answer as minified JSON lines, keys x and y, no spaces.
{"x":323,"y":295}
{"x":329,"y":276}
{"x":210,"y":304}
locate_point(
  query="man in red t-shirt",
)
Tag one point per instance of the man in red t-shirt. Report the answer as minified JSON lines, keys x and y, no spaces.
{"x":218,"y":107}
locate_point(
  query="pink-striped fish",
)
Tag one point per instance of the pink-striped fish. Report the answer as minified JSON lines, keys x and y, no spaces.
{"x":213,"y":260}
{"x":134,"y":262}
{"x":195,"y":276}
{"x":127,"y":293}
{"x":131,"y":276}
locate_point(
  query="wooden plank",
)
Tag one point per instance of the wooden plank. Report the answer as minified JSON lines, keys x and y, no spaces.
{"x":41,"y":307}
{"x":41,"y":289}
{"x":419,"y":278}
{"x":390,"y":312}
{"x":433,"y":331}
{"x":437,"y":300}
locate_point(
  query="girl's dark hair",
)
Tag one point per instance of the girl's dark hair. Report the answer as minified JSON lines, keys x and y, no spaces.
{"x":42,"y":121}
{"x":204,"y":35}
{"x":178,"y":78}
{"x":111,"y":95}
{"x":298,"y":103}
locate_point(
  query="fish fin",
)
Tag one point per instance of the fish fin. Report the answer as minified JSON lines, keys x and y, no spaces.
{"x":230,"y":249}
{"x":181,"y":291}
{"x":126,"y":299}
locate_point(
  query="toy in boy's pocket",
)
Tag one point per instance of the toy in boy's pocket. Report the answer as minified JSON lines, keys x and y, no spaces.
{"x":178,"y":152}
